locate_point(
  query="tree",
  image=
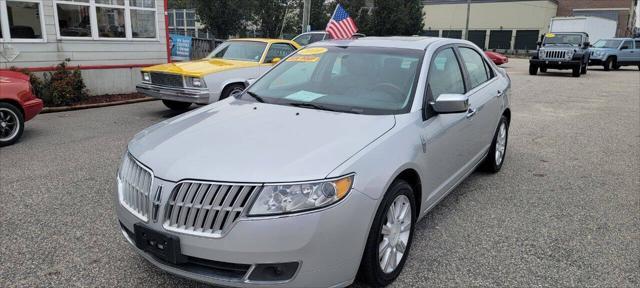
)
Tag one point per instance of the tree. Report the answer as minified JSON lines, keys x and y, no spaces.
{"x":397,"y":17}
{"x":224,"y":17}
{"x":270,"y":16}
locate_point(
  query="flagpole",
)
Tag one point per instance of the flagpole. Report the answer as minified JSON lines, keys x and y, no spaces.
{"x":334,"y":14}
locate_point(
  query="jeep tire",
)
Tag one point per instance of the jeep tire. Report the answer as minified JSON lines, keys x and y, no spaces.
{"x":607,"y":64}
{"x":543,"y":69}
{"x":583,"y":69}
{"x":616,"y":66}
{"x":533,"y":69}
{"x":576,"y":71}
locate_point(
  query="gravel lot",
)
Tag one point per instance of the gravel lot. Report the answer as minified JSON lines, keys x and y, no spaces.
{"x":564,"y":211}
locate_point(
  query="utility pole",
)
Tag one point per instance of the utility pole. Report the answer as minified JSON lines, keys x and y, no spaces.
{"x":466,"y":27}
{"x":306,"y":12}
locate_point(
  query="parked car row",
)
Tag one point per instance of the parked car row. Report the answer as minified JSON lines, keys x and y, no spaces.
{"x":572,"y":50}
{"x":317,"y":171}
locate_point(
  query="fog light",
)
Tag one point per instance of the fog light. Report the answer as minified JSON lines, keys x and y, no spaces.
{"x":274,"y":272}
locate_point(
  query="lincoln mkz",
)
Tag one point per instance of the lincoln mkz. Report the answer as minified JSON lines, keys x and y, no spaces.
{"x":319,"y":170}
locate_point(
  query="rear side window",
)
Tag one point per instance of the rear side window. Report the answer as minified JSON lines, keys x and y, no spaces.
{"x":445,"y":76}
{"x":475,"y":66}
{"x":637,"y":44}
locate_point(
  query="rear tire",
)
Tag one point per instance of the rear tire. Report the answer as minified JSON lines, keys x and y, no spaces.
{"x":231,"y":90}
{"x":533,"y":69}
{"x":576,"y":71}
{"x":11,"y":124}
{"x":176,"y":105}
{"x":498,"y":149}
{"x":401,"y":195}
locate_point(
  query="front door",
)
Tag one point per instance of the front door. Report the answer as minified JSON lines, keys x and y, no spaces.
{"x":626,"y":52}
{"x":444,"y":136}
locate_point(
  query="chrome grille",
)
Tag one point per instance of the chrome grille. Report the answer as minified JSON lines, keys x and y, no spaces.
{"x":207,"y":209}
{"x":136,"y":184}
{"x":555,"y":54}
{"x":163,"y":79}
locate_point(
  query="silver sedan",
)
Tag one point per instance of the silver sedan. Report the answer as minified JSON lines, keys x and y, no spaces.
{"x":320,"y":169}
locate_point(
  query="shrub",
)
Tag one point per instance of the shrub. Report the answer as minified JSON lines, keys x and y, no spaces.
{"x":61,"y":87}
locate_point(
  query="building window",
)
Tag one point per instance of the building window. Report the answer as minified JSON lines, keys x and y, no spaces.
{"x":21,"y":21}
{"x":74,"y":20}
{"x":106,"y":19}
{"x":477,"y":37}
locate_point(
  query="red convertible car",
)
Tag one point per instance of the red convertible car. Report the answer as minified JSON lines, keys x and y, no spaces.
{"x":17,"y":105}
{"x":496,"y":57}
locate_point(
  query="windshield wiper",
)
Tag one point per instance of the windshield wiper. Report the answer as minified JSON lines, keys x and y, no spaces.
{"x":320,"y":107}
{"x":255,"y":96}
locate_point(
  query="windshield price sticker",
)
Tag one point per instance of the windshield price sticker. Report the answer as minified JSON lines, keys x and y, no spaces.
{"x":550,"y":35}
{"x":313,"y":51}
{"x":303,"y":58}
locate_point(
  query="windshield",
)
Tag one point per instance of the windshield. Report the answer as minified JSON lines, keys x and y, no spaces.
{"x":239,"y":50}
{"x":607,"y":44}
{"x":563,"y":39}
{"x":308,"y":38}
{"x":364,"y":80}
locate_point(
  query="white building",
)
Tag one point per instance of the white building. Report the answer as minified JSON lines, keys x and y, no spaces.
{"x":110,"y":40}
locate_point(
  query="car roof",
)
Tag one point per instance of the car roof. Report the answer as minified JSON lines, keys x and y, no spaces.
{"x":265,"y":40}
{"x":407,"y":42}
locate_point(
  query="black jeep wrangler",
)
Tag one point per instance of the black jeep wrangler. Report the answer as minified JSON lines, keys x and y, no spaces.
{"x":566,"y":50}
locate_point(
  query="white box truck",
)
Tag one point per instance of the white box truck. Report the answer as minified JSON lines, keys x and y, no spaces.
{"x":597,"y":27}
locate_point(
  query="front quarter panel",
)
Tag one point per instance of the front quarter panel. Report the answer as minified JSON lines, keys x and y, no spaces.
{"x":217,"y":81}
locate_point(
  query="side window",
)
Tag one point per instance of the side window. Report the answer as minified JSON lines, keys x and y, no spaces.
{"x":445,"y":76}
{"x":278,"y":50}
{"x":476,"y":68}
{"x":628,"y":44}
{"x":637,"y":44}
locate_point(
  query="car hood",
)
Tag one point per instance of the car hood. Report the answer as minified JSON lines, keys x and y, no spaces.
{"x":239,"y":141}
{"x":201,"y":67}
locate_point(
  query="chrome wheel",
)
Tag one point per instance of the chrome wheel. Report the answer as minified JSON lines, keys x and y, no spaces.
{"x":235,"y":92}
{"x":9,"y":124}
{"x":395,"y":234}
{"x":501,"y":144}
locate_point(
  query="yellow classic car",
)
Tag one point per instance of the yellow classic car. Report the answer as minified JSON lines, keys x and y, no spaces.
{"x":221,"y":74}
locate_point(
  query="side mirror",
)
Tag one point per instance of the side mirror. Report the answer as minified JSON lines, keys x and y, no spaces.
{"x":451,"y":103}
{"x":249,"y":82}
{"x":275,"y":60}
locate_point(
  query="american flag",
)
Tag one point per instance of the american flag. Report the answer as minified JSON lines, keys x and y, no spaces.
{"x":341,"y":26}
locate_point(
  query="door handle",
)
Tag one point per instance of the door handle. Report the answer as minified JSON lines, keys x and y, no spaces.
{"x":471,"y":112}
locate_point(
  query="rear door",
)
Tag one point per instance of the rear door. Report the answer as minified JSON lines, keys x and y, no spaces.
{"x":484,"y":90}
{"x":636,"y":53}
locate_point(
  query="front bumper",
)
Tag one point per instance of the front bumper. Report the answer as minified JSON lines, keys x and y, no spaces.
{"x":198,"y":96}
{"x":327,"y":243}
{"x":32,"y":108}
{"x":556,"y":64}
{"x":595,"y":61}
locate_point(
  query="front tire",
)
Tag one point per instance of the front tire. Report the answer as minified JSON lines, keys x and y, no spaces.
{"x":607,"y":64}
{"x":533,"y":69}
{"x":616,"y":66}
{"x":495,"y":157}
{"x":11,"y":124}
{"x":543,"y":69}
{"x":390,"y":236}
{"x":176,"y":105}
{"x":576,"y":71}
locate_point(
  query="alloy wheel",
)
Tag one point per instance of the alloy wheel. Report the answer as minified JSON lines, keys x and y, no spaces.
{"x":9,"y":124}
{"x":395,"y":234}
{"x":501,"y":144}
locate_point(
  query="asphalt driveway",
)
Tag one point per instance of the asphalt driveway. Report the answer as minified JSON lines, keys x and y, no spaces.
{"x":564,"y":211}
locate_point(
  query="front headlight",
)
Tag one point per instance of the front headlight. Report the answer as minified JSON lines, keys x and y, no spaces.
{"x":146,"y":77}
{"x":570,"y":54}
{"x":195,"y":82}
{"x":542,"y":54}
{"x":289,"y":198}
